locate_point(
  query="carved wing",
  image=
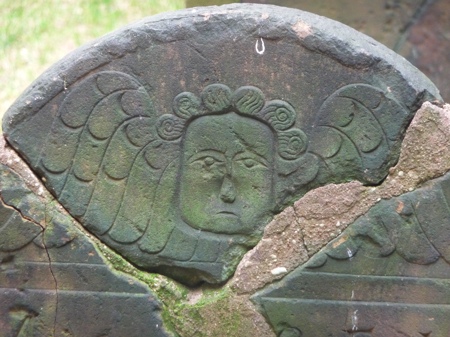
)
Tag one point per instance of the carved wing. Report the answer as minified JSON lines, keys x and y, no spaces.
{"x":410,"y":224}
{"x":357,"y":134}
{"x":103,"y":147}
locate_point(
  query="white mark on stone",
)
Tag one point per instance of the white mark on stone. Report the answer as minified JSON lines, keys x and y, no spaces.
{"x":302,"y":29}
{"x":338,"y":224}
{"x":355,"y":321}
{"x":263,"y":47}
{"x":349,"y":252}
{"x":278,"y":271}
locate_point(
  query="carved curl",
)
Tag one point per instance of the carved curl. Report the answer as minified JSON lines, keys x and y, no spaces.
{"x":216,"y":97}
{"x":279,"y":114}
{"x":292,"y":143}
{"x":248,"y":100}
{"x":169,"y":127}
{"x":186,"y":105}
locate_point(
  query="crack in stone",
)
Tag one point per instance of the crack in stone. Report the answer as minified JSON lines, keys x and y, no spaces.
{"x":52,"y":273}
{"x":20,"y":213}
{"x":297,"y":220}
{"x":46,"y":252}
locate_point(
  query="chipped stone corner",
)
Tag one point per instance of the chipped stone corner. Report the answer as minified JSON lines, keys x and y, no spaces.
{"x":12,"y":160}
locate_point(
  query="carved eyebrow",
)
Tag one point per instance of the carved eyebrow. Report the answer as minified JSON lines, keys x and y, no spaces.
{"x":244,"y":154}
{"x":214,"y":153}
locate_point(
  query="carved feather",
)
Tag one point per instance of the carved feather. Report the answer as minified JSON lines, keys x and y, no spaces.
{"x":95,"y":150}
{"x":357,"y":133}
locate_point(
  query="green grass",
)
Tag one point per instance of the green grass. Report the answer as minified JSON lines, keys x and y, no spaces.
{"x":34,"y":34}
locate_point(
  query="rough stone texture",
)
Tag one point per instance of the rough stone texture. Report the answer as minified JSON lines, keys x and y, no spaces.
{"x":53,"y":282}
{"x":385,"y":21}
{"x":323,"y":213}
{"x":222,"y":314}
{"x":180,"y":174}
{"x":280,"y":250}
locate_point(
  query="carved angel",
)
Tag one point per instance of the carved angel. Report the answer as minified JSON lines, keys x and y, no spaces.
{"x":188,"y":192}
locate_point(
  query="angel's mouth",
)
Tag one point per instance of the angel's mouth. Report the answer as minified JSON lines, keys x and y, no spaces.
{"x":227,"y":213}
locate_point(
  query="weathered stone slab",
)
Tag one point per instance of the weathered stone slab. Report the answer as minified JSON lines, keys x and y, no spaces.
{"x":176,"y":140}
{"x":386,"y":275}
{"x":53,"y":281}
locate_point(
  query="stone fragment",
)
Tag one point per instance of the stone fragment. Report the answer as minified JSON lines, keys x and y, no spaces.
{"x":53,"y":281}
{"x":181,"y":174}
{"x":281,"y":245}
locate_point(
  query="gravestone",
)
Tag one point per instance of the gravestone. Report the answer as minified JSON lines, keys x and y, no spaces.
{"x":179,"y":143}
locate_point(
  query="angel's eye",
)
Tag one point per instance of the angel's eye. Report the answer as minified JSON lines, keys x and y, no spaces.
{"x":251,"y":163}
{"x":209,"y":161}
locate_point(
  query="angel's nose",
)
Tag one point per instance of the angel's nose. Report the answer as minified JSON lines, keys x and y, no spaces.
{"x":227,"y":190}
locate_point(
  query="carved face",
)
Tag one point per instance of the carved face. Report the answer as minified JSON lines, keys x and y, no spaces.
{"x":226,"y":174}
